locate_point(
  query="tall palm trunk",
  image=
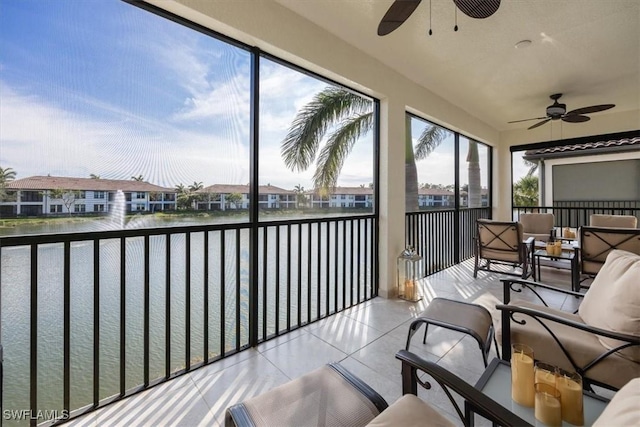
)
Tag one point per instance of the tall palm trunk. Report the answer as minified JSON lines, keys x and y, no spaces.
{"x":475,"y":187}
{"x":410,"y":171}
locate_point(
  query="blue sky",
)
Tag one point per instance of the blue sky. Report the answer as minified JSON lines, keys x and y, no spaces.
{"x":103,"y":87}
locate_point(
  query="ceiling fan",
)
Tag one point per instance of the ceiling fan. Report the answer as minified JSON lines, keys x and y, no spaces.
{"x":557,"y":111}
{"x":401,"y":10}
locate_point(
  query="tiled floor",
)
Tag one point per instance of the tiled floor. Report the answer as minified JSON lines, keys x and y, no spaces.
{"x":364,"y":339}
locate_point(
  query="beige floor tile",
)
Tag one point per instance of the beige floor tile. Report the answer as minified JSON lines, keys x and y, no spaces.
{"x":303,"y":354}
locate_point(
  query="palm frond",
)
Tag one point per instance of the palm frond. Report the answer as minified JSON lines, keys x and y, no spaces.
{"x":429,"y":140}
{"x":328,"y":107}
{"x":338,"y":147}
{"x":533,"y":166}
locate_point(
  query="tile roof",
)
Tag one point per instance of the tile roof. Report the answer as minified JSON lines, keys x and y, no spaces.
{"x":346,"y":190}
{"x":84,"y":184}
{"x":243,"y":189}
{"x":584,"y":148}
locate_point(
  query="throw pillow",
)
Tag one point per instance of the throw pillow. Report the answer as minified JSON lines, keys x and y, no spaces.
{"x":613,"y":300}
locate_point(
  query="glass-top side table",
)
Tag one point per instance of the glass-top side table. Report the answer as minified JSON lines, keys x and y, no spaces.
{"x":495,"y":382}
{"x":568,"y":255}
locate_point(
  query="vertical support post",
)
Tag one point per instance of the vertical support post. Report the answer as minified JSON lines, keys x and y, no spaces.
{"x":33,"y":371}
{"x":145,"y":312}
{"x":187,"y":301}
{"x":223,"y":294}
{"x":66,"y":389}
{"x":490,"y":184}
{"x":96,"y":322}
{"x":205,"y":310}
{"x":167,"y":315}
{"x":123,"y":314}
{"x":375,"y":282}
{"x":456,"y":180}
{"x":254,"y":197}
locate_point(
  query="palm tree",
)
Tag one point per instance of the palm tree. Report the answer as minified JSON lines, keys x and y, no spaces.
{"x":193,"y":196}
{"x":533,"y":166}
{"x":195,"y":186}
{"x":182,"y":198}
{"x":6,"y":175}
{"x":301,"y":198}
{"x":525,"y":191}
{"x":137,"y":178}
{"x":474,"y":188}
{"x":428,"y":140}
{"x":352,"y":115}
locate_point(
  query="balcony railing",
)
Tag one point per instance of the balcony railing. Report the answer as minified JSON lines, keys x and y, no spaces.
{"x":443,"y":237}
{"x":89,"y":318}
{"x":576,"y":214}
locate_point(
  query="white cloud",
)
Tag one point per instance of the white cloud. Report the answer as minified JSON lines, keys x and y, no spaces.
{"x":37,"y":138}
{"x":205,"y":139}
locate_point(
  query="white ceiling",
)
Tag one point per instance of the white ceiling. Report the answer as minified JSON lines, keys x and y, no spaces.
{"x":589,"y":50}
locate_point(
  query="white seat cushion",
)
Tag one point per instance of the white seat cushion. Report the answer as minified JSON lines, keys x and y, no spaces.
{"x":410,"y":411}
{"x":624,"y":408}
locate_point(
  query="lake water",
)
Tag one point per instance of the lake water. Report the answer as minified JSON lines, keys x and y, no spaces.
{"x":15,"y":302}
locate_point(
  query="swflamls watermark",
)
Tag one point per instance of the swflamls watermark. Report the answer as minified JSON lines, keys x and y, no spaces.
{"x":39,"y":415}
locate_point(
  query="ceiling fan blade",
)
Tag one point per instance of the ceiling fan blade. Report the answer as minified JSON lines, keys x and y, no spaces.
{"x":399,"y":12}
{"x":478,"y":9}
{"x":539,"y":124}
{"x":575,"y":118}
{"x":592,"y":109}
{"x":527,"y":120}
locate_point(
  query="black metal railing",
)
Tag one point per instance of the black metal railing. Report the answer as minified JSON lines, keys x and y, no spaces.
{"x":89,"y":318}
{"x":576,"y":214}
{"x":433,"y":235}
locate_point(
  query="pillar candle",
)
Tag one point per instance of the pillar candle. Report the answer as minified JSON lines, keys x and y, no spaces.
{"x":409,"y":289}
{"x":522,"y":383}
{"x":548,"y":409}
{"x":545,"y":377}
{"x":571,"y":398}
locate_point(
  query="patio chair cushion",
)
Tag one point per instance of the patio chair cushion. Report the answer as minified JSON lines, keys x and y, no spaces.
{"x":613,"y":300}
{"x":582,"y":345}
{"x":623,"y":410}
{"x":505,"y":248}
{"x":596,"y":243}
{"x":410,"y":411}
{"x":537,"y":225}
{"x":621,"y":221}
{"x":320,"y":397}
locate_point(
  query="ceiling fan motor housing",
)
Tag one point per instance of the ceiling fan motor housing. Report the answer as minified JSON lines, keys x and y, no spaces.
{"x":556,"y":110}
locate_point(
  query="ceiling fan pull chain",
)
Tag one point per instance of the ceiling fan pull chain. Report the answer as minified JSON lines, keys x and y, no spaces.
{"x":455,"y":28}
{"x":430,"y":32}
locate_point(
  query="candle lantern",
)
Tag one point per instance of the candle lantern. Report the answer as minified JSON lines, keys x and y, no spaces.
{"x":408,"y":274}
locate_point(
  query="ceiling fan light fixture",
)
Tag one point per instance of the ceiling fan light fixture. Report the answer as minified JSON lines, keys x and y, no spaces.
{"x":556,"y":109}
